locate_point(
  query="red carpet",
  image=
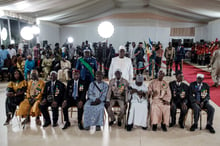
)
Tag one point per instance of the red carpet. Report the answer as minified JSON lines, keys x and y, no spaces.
{"x":190,"y":73}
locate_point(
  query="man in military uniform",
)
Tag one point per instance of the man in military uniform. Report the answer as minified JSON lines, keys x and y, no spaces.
{"x":169,"y":55}
{"x":87,"y":66}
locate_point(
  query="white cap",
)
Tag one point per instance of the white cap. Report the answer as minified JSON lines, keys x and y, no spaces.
{"x":118,"y":69}
{"x":121,"y":47}
{"x":200,"y":75}
{"x":53,"y":72}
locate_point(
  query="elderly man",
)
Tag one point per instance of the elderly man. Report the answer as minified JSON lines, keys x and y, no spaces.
{"x":87,"y":66}
{"x":63,"y":73}
{"x":53,"y":95}
{"x":117,"y":93}
{"x":199,"y":99}
{"x":139,"y":104}
{"x":75,"y":96}
{"x":215,"y":64}
{"x":122,"y":62}
{"x":94,"y":106}
{"x":180,"y":94}
{"x":30,"y":105}
{"x":160,"y":106}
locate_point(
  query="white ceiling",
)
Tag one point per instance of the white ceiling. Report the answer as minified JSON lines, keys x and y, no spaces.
{"x":67,"y":12}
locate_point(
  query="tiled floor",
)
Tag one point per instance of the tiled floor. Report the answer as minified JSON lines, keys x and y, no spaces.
{"x":32,"y":135}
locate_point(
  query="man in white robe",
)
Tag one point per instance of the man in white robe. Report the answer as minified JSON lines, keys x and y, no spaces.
{"x":139,"y":105}
{"x":122,"y":62}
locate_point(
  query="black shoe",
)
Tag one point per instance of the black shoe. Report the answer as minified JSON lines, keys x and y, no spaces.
{"x":154,"y":128}
{"x":111,"y":123}
{"x":119,"y":123}
{"x":98,"y":128}
{"x":193,"y":127}
{"x":80,"y":126}
{"x":129,"y":127}
{"x":67,"y":124}
{"x":181,"y":125}
{"x":55,"y":124}
{"x":7,"y":121}
{"x":164,"y":127}
{"x":171,"y":124}
{"x":46,"y":124}
{"x":144,"y":128}
{"x":170,"y":74}
{"x":210,"y":128}
{"x":167,"y":74}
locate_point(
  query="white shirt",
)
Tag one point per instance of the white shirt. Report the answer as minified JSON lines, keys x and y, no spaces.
{"x":12,"y":52}
{"x":125,"y":65}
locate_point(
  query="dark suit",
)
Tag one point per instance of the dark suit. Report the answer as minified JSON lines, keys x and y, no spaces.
{"x":58,"y":93}
{"x":177,"y":101}
{"x":179,"y":55}
{"x":195,"y":97}
{"x":74,"y":102}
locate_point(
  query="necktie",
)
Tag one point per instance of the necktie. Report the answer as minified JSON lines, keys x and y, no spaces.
{"x":118,"y":82}
{"x":52,"y":88}
{"x":75,"y":90}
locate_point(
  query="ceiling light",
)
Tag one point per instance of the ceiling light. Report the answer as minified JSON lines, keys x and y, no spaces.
{"x":26,"y":33}
{"x":70,"y":40}
{"x":4,"y":34}
{"x":106,"y":29}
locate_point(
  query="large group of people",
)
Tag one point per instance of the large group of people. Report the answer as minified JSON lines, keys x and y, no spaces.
{"x":87,"y":90}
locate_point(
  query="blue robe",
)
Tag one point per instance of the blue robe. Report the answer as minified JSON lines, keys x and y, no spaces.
{"x":29,"y":65}
{"x":94,"y":114}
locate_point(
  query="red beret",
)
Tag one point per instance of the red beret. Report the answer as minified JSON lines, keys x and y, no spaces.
{"x":76,"y":71}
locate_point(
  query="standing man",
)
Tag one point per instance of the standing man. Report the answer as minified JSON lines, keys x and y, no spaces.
{"x":53,"y":96}
{"x":117,"y":93}
{"x":122,"y":62}
{"x":215,"y":64}
{"x":179,"y":56}
{"x":158,"y":60}
{"x":160,"y":107}
{"x":87,"y":66}
{"x":139,"y":56}
{"x":169,"y":55}
{"x":199,"y":99}
{"x":180,"y":94}
{"x":75,"y":96}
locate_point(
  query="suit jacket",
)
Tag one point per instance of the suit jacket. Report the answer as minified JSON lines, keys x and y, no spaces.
{"x":81,"y":90}
{"x":192,"y":91}
{"x":59,"y":91}
{"x":179,"y":53}
{"x":120,"y":92}
{"x":177,"y":90}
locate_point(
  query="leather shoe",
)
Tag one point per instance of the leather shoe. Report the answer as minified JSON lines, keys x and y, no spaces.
{"x":171,"y":124}
{"x":164,"y":127}
{"x":181,"y":125}
{"x":144,"y":128}
{"x":210,"y":128}
{"x":129,"y":127}
{"x":154,"y":128}
{"x":67,"y":124}
{"x":193,"y":127}
{"x":55,"y":124}
{"x":80,"y":126}
{"x":119,"y":123}
{"x":7,"y":120}
{"x":46,"y":124}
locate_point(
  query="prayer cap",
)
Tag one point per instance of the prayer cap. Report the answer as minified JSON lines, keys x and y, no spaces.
{"x":139,"y":78}
{"x":200,"y":75}
{"x":86,"y":50}
{"x":53,"y":72}
{"x":118,"y":70}
{"x":121,"y":48}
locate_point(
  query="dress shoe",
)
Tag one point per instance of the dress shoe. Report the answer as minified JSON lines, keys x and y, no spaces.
{"x":144,"y":128}
{"x":210,"y":128}
{"x":181,"y":125}
{"x":55,"y":124}
{"x":119,"y":123}
{"x":164,"y":127}
{"x":98,"y":128}
{"x":80,"y":126}
{"x":111,"y":122}
{"x":193,"y":127}
{"x":154,"y":128}
{"x":66,"y":125}
{"x":46,"y":124}
{"x":129,"y":127}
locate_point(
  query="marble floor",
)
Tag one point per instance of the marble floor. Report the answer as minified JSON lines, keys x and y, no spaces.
{"x":15,"y":135}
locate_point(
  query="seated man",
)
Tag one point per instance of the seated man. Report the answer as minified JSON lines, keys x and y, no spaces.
{"x":160,"y":106}
{"x":75,"y":96}
{"x":180,"y":94}
{"x":94,"y":106}
{"x":53,"y":95}
{"x":139,"y":105}
{"x":117,"y":93}
{"x":63,"y":74}
{"x":30,"y":105}
{"x":199,"y":99}
{"x":29,"y":65}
